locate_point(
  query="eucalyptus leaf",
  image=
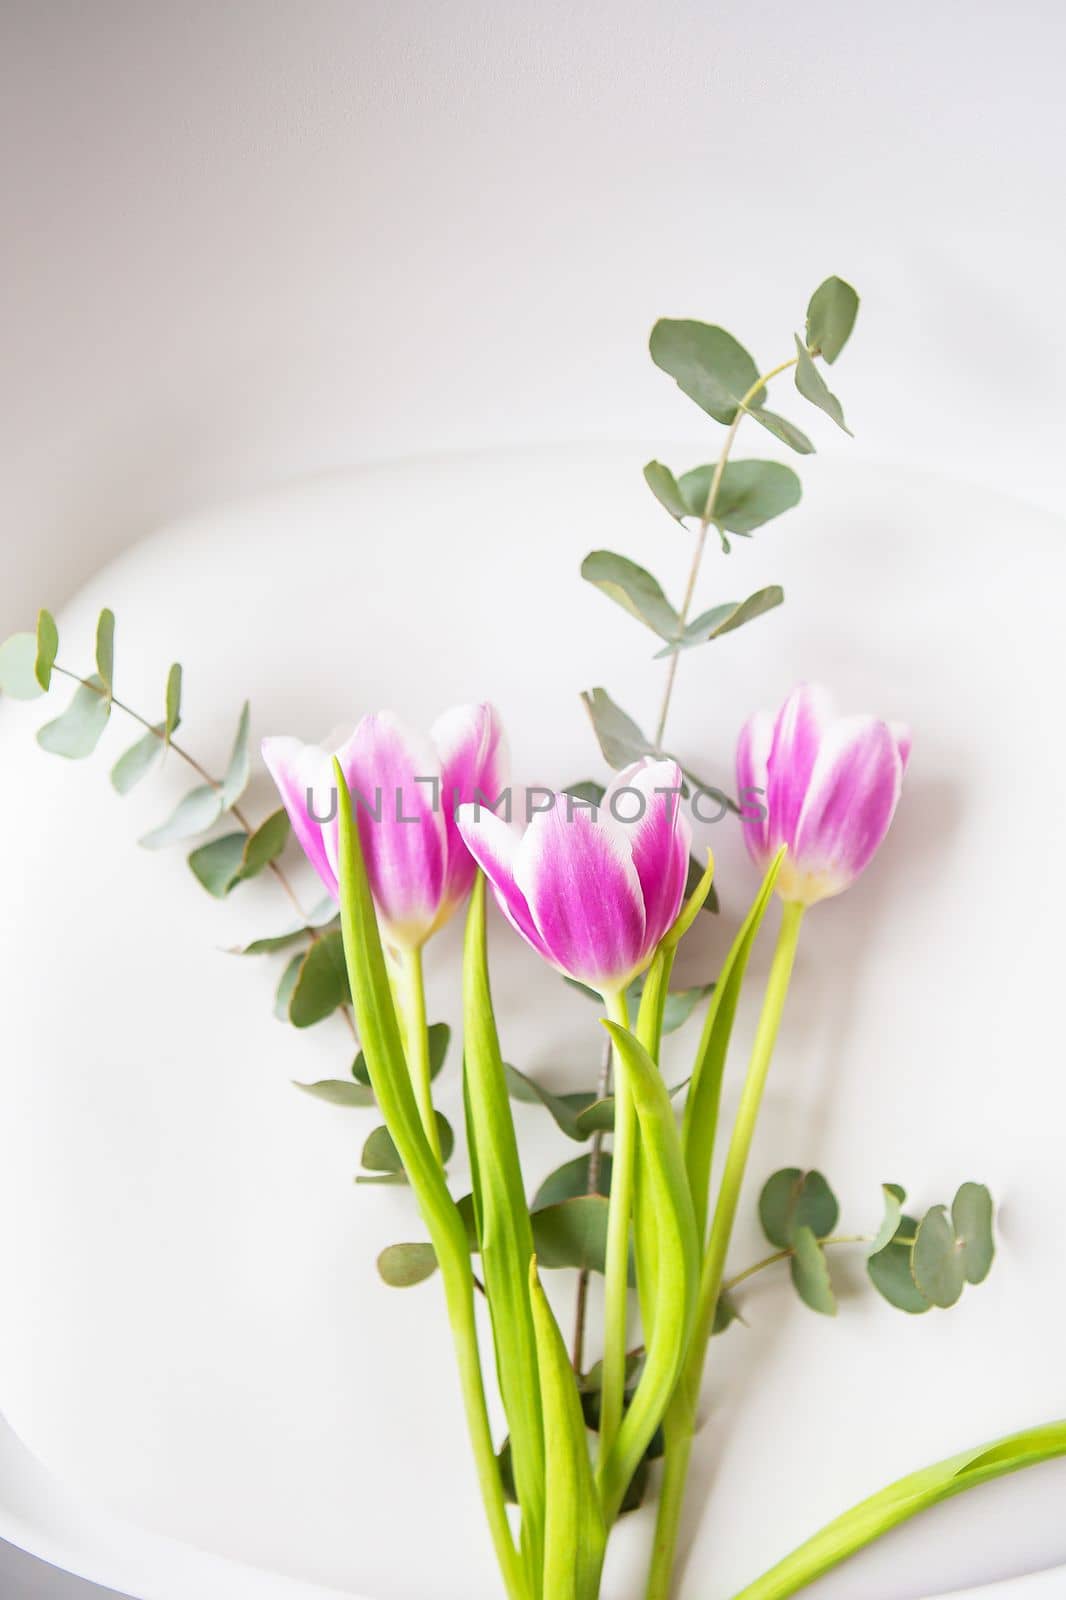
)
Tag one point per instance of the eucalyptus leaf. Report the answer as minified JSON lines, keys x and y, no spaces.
{"x":588,"y":792}
{"x":937,"y":1262}
{"x":784,"y":430}
{"x":76,"y":733}
{"x":239,"y":769}
{"x":810,"y":1272}
{"x":890,"y":1271}
{"x":681,"y":1003}
{"x":708,"y":365}
{"x":971,"y":1214}
{"x":322,"y":983}
{"x":338,"y":1092}
{"x":565,"y":1108}
{"x":813,"y":387}
{"x":47,"y":648}
{"x":138,"y":760}
{"x":750,"y":493}
{"x":620,"y":740}
{"x":105,"y":650}
{"x":572,"y":1233}
{"x":664,"y":486}
{"x":217,"y":865}
{"x":792,"y":1199}
{"x":632,"y":588}
{"x":173,"y":701}
{"x":571,"y":1179}
{"x":325,"y":920}
{"x":831,"y":314}
{"x":285,"y":987}
{"x":725,"y":1314}
{"x":894,"y":1197}
{"x":381,"y":1155}
{"x":402,"y":1265}
{"x":725,"y":618}
{"x":198,"y":811}
{"x":265,"y":844}
{"x":18,"y":667}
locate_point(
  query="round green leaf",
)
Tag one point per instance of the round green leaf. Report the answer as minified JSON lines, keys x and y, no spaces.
{"x":138,"y":761}
{"x":572,"y":1233}
{"x":402,"y":1265}
{"x":321,"y":984}
{"x":18,"y":667}
{"x":217,"y":865}
{"x":890,"y":1271}
{"x":338,"y":1092}
{"x":810,"y":1272}
{"x":632,"y":588}
{"x":792,"y":1199}
{"x":831,"y":314}
{"x":707,"y":364}
{"x":381,"y":1155}
{"x":619,"y":738}
{"x":571,"y":1179}
{"x":750,"y":493}
{"x":894,"y":1197}
{"x":971,"y":1213}
{"x":76,"y":733}
{"x":197,"y":812}
{"x":265,"y":844}
{"x":937,"y":1262}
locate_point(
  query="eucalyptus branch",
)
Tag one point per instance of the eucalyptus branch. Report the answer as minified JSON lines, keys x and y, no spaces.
{"x":786,"y":1255}
{"x":701,"y":537}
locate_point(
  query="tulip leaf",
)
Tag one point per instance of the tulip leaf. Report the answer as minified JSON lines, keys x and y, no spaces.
{"x":76,"y":733}
{"x":707,"y":364}
{"x":18,"y":667}
{"x":937,"y":1261}
{"x":791,"y":1200}
{"x":47,"y":648}
{"x":381,"y":1155}
{"x":402,"y":1265}
{"x":813,"y":387}
{"x":138,"y":760}
{"x":894,"y":1196}
{"x":321,"y":984}
{"x":971,"y":1214}
{"x":217,"y":865}
{"x":620,"y":740}
{"x":831,"y":314}
{"x":105,"y":649}
{"x":198,"y":811}
{"x":338,"y":1092}
{"x":632,"y":588}
{"x":890,"y":1270}
{"x":664,"y":486}
{"x":572,"y":1233}
{"x":173,"y":702}
{"x":565,"y":1108}
{"x":784,"y":430}
{"x":285,"y":988}
{"x":239,"y":769}
{"x":725,"y":618}
{"x":571,"y":1179}
{"x":810,"y":1272}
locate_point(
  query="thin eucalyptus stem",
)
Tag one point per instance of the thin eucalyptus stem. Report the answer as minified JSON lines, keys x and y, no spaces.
{"x":416,"y":1043}
{"x":680,"y":1419}
{"x":616,"y":1265}
{"x":785,"y":1255}
{"x":701,"y":537}
{"x":603,"y":1089}
{"x":237,"y":814}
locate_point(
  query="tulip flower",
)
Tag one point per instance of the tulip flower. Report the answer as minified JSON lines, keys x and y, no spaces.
{"x":829,"y":788}
{"x":593,"y":891}
{"x":405,"y":790}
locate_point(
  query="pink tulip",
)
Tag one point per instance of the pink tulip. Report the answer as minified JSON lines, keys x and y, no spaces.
{"x":405,"y":790}
{"x":829,"y":787}
{"x":593,"y":891}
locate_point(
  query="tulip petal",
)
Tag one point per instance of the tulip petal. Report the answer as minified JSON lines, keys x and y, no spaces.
{"x":902,"y":735}
{"x":659,"y":838}
{"x":582,"y":889}
{"x":472,"y":750}
{"x":753,"y":758}
{"x":394,"y":780}
{"x":303,"y":771}
{"x":853,"y":792}
{"x":494,"y":847}
{"x":798,"y":733}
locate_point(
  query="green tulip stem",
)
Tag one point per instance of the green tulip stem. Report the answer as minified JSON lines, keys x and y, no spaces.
{"x":616,"y":1266}
{"x":680,"y":1419}
{"x":412,"y":988}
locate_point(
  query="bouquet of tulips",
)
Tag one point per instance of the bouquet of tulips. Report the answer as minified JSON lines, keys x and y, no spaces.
{"x":601,"y":883}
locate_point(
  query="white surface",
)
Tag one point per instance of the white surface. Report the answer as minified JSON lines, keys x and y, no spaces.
{"x":198,"y":1336}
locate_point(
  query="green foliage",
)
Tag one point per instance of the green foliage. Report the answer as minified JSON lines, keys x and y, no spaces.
{"x":619,"y":738}
{"x":138,"y":760}
{"x":381,"y":1155}
{"x":18,"y":667}
{"x":47,"y":648}
{"x":810,"y":1273}
{"x":235,"y":857}
{"x":572,"y":1179}
{"x":726,"y":618}
{"x":831,"y":314}
{"x":784,"y":430}
{"x":750,"y":493}
{"x":587,"y":791}
{"x":792,"y":1199}
{"x":813,"y":387}
{"x":199,"y":810}
{"x":173,"y":701}
{"x":635,"y":590}
{"x":76,"y":733}
{"x":572,"y":1233}
{"x":695,"y":873}
{"x":239,"y":768}
{"x":323,"y":918}
{"x":708,"y":365}
{"x":890,"y":1270}
{"x":338,"y":1092}
{"x":402,"y":1265}
{"x":105,"y":650}
{"x":564,"y":1108}
{"x":894,"y":1196}
{"x":666,"y":489}
{"x":321,"y":983}
{"x":286,"y":985}
{"x":951,"y":1251}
